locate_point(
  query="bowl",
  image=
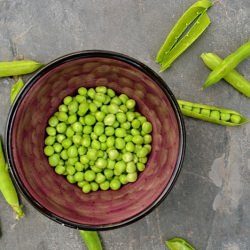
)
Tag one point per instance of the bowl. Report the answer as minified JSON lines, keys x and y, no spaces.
{"x":50,"y":193}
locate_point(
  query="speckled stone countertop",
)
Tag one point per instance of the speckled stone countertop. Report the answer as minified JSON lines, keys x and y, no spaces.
{"x":210,"y":202}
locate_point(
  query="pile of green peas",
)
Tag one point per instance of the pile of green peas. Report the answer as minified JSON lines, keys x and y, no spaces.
{"x":97,"y":139}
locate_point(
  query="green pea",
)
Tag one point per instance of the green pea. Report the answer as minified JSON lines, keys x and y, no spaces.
{"x":102,"y":138}
{"x":72,"y":119}
{"x":130,"y":116}
{"x":104,"y":186}
{"x":101,"y":163}
{"x":107,"y":100}
{"x":63,"y":108}
{"x":111,"y":92}
{"x":103,"y":146}
{"x":79,"y":166}
{"x":61,"y":127}
{"x":92,"y":107}
{"x":123,"y":108}
{"x":119,"y":143}
{"x":70,"y":132}
{"x":80,"y":98}
{"x":143,"y":159}
{"x":120,"y":132}
{"x":73,"y":160}
{"x":60,"y":169}
{"x":224,"y":116}
{"x":141,"y":118}
{"x":51,"y":131}
{"x":86,"y":188}
{"x":91,"y":93}
{"x":120,"y":167}
{"x":110,"y":142}
{"x":132,"y":177}
{"x":94,"y":186}
{"x":62,"y":116}
{"x":115,"y":184}
{"x":104,"y":109}
{"x":92,"y":154}
{"x":79,"y":176}
{"x":100,"y":178}
{"x":116,"y":100}
{"x":135,"y":132}
{"x":67,"y":100}
{"x":143,"y":152}
{"x":96,"y":169}
{"x":121,"y":117}
{"x":82,"y":91}
{"x":60,"y":138}
{"x":72,"y":151}
{"x":205,"y":112}
{"x":130,"y":103}
{"x":235,"y":119}
{"x":100,"y":97}
{"x":101,"y":89}
{"x":96,"y":144}
{"x":58,"y":147}
{"x":123,"y":179}
{"x":70,"y":179}
{"x":87,"y":129}
{"x":131,"y":167}
{"x":82,"y":150}
{"x":99,"y":115}
{"x":113,"y":108}
{"x":130,"y":147}
{"x":77,"y":127}
{"x":53,"y":121}
{"x":84,"y":159}
{"x":81,"y":183}
{"x":86,"y":141}
{"x":113,"y":154}
{"x":124,"y":98}
{"x":73,"y":107}
{"x":64,"y":154}
{"x":66,"y":143}
{"x":196,"y":110}
{"x":128,"y":138}
{"x":54,"y":160}
{"x":89,"y":175}
{"x":137,"y":139}
{"x":83,"y":108}
{"x":116,"y":124}
{"x":111,"y":164}
{"x":77,"y":139}
{"x":127,"y":157}
{"x":48,"y":150}
{"x":98,"y":130}
{"x":140,"y":166}
{"x":215,"y":114}
{"x":147,"y":127}
{"x":93,"y":136}
{"x":108,"y":173}
{"x":109,"y":119}
{"x":136,"y":123}
{"x":70,"y":170}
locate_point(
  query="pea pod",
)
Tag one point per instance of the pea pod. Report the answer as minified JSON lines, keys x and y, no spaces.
{"x":7,"y":187}
{"x":16,"y":68}
{"x":16,"y":89}
{"x":181,"y":26}
{"x":195,"y":31}
{"x":212,"y":114}
{"x":178,"y":244}
{"x":91,"y":240}
{"x":234,"y":78}
{"x":228,"y":64}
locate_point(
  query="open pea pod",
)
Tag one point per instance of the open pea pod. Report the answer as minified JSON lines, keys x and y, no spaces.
{"x":213,"y":114}
{"x":178,"y":244}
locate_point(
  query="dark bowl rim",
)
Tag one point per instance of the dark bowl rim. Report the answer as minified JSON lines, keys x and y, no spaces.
{"x":87,"y":54}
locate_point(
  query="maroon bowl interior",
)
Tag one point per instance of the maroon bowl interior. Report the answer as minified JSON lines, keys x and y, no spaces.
{"x":52,"y":193}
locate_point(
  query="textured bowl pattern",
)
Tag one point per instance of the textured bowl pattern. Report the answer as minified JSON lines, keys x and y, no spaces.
{"x":51,"y":193}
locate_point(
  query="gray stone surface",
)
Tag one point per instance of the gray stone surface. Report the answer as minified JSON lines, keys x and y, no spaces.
{"x":210,"y":203}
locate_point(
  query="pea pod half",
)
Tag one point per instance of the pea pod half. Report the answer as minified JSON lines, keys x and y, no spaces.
{"x":16,"y":68}
{"x":180,"y":27}
{"x":91,"y":239}
{"x":228,"y":64}
{"x":178,"y":244}
{"x":15,"y":89}
{"x":211,"y":113}
{"x":234,"y":78}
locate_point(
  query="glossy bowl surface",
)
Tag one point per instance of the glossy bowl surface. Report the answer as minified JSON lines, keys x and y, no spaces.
{"x":50,"y":193}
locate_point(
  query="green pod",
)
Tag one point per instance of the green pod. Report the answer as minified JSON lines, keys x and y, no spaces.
{"x":15,"y":89}
{"x":228,"y":64}
{"x":91,"y":239}
{"x":234,"y":78}
{"x":236,"y":118}
{"x":193,"y":34}
{"x":16,"y":68}
{"x":7,"y":187}
{"x":178,"y":244}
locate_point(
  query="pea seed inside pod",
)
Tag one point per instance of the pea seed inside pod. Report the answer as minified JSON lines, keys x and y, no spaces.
{"x":235,"y":118}
{"x":205,"y":112}
{"x":215,"y":115}
{"x":225,"y":117}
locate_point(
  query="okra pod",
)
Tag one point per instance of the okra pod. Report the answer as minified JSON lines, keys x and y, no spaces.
{"x":195,"y":31}
{"x":16,"y":68}
{"x":234,"y":78}
{"x":7,"y":187}
{"x":91,"y":239}
{"x":178,"y":244}
{"x":211,"y":113}
{"x":228,"y":64}
{"x":15,"y":89}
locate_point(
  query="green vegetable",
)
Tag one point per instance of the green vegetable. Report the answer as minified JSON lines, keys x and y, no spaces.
{"x":212,"y":114}
{"x":15,"y":89}
{"x":97,"y":140}
{"x":7,"y":187}
{"x":16,"y":68}
{"x":228,"y":64}
{"x":234,"y":78}
{"x":188,"y":17}
{"x":178,"y":244}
